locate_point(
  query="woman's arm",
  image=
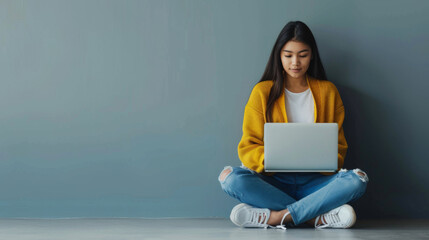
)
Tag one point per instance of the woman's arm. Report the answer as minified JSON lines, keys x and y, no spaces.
{"x":338,"y":117}
{"x":251,"y":146}
{"x":342,"y":143}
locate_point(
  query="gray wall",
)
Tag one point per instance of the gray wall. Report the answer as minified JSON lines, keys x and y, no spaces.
{"x":132,"y":108}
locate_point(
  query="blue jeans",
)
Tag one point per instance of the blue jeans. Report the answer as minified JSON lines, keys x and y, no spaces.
{"x":306,"y":195}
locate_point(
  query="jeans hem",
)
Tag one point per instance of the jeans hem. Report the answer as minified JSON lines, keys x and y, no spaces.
{"x":292,"y":213}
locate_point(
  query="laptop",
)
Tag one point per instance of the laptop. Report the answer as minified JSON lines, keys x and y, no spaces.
{"x":301,"y":147}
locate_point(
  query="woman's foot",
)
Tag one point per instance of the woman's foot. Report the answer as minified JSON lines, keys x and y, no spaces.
{"x":340,"y":217}
{"x":244,"y":215}
{"x":280,"y":217}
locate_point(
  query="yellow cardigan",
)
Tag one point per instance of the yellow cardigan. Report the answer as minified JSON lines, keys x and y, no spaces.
{"x":328,"y":107}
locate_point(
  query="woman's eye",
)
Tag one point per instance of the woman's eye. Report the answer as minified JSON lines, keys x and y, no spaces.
{"x":299,"y":56}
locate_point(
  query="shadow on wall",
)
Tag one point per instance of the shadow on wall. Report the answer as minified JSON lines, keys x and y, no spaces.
{"x":383,"y":139}
{"x":375,"y":134}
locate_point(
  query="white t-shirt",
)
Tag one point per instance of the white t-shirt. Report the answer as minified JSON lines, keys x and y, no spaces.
{"x":299,"y":106}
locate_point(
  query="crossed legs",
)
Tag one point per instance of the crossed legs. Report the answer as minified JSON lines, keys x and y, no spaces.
{"x":248,"y":187}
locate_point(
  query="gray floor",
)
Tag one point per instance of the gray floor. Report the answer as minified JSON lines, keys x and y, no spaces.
{"x":135,"y":228}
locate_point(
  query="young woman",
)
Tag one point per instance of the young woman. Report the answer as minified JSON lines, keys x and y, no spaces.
{"x":293,"y":88}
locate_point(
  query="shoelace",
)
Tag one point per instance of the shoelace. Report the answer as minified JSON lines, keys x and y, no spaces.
{"x":258,"y":218}
{"x":281,"y":226}
{"x":329,"y":220}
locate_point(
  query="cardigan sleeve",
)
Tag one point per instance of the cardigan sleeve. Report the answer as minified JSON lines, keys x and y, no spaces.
{"x":251,"y":146}
{"x":342,"y":143}
{"x":339,"y":119}
{"x":339,"y":115}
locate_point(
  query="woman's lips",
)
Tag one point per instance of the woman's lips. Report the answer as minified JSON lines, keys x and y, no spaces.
{"x":296,"y":70}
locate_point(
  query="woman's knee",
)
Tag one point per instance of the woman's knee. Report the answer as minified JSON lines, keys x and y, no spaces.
{"x":232,"y":176}
{"x":357,"y":181}
{"x":363,"y":177}
{"x":225,"y":173}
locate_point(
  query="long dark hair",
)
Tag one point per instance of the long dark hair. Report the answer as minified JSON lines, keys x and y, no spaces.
{"x":296,"y":31}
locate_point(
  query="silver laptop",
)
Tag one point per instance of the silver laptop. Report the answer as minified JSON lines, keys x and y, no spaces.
{"x":301,"y":147}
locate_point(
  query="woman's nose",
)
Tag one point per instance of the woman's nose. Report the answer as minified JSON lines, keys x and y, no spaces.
{"x":295,"y":61}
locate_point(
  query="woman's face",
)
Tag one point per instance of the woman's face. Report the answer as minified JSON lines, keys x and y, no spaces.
{"x":295,"y":58}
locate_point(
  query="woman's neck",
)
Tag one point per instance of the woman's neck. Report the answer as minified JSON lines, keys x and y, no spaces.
{"x":296,"y":84}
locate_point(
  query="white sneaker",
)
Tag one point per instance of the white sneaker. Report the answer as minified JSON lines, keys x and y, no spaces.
{"x":244,"y":215}
{"x":340,"y":217}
